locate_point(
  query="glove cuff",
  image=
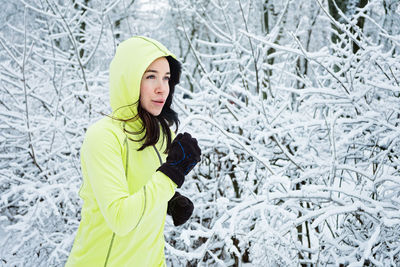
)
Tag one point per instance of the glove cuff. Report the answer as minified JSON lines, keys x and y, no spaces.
{"x":173,"y":173}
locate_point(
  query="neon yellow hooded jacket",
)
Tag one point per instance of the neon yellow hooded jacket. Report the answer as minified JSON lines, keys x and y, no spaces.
{"x":124,"y":197}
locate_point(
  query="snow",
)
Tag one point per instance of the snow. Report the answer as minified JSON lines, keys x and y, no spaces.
{"x":300,"y":134}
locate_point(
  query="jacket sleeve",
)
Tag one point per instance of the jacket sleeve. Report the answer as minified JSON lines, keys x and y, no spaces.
{"x":102,"y":165}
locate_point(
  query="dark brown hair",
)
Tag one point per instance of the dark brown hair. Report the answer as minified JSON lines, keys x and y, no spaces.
{"x":167,"y":117}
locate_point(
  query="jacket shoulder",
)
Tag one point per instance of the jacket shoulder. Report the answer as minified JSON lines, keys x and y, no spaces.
{"x":105,"y":130}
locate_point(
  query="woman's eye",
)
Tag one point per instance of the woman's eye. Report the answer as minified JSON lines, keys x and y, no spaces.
{"x":150,"y":77}
{"x":167,"y":78}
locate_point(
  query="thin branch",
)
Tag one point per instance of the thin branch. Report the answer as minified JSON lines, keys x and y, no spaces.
{"x":32,"y":151}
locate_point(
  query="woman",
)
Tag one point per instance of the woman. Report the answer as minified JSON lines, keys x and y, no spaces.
{"x":130,"y":166}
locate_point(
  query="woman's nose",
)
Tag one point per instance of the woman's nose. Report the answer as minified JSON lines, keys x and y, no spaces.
{"x":161,"y":86}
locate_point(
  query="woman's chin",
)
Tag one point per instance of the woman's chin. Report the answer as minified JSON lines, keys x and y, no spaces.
{"x":155,"y":112}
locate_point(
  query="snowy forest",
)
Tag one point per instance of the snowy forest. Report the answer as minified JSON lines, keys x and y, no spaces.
{"x":295,"y":104}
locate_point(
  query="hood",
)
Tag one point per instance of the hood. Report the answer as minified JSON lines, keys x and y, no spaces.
{"x":131,"y":60}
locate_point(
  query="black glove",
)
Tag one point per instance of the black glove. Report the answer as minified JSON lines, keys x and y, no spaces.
{"x":180,"y":208}
{"x":182,"y":157}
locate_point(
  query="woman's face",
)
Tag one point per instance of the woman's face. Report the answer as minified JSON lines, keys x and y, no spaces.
{"x":154,"y":87}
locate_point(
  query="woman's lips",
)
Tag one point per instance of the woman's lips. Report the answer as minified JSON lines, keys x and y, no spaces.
{"x":158,"y":102}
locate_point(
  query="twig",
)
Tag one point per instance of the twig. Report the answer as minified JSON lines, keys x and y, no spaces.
{"x":32,"y":151}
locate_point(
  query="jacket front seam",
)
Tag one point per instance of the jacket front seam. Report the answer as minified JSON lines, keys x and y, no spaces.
{"x":144,"y":187}
{"x":158,"y":154}
{"x":109,"y":249}
{"x":127,"y":157}
{"x":126,"y":177}
{"x":144,"y":208}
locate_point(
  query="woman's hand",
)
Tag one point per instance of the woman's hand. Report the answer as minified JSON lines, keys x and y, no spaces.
{"x":180,"y":208}
{"x":182,"y":157}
